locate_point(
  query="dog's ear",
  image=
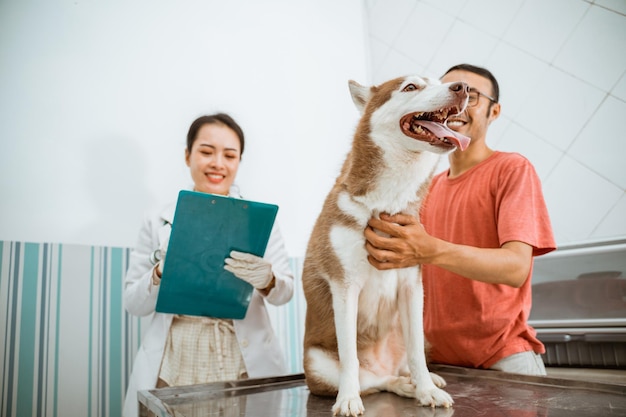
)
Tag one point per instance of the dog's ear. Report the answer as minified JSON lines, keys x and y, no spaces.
{"x":360,"y":95}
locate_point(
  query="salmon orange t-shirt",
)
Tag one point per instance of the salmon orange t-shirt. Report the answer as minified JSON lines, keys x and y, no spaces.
{"x":471,"y":323}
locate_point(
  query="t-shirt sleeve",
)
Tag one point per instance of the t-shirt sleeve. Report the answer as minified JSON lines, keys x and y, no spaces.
{"x":522,"y":214}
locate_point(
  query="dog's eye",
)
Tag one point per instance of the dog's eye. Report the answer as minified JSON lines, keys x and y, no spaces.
{"x":413,"y":87}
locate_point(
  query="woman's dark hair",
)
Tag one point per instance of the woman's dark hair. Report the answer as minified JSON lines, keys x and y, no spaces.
{"x":217,"y":119}
{"x":483,"y":72}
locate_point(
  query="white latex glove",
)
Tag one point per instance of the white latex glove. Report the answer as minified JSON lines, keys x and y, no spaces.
{"x":250,"y":268}
{"x":162,"y":252}
{"x":164,"y":238}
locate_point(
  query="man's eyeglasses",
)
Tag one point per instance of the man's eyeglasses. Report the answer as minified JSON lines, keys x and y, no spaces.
{"x":474,"y":95}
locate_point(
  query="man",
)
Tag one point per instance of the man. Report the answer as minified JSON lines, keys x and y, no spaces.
{"x":483,"y":221}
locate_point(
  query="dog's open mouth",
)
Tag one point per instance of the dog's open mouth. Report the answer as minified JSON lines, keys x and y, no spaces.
{"x":431,"y":127}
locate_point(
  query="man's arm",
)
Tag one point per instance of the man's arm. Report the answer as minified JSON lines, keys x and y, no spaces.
{"x":408,"y":244}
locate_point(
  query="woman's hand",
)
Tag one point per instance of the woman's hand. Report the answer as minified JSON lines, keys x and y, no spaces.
{"x":252,"y":269}
{"x":158,"y":256}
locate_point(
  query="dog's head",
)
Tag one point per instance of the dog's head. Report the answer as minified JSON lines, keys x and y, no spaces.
{"x":411,"y":112}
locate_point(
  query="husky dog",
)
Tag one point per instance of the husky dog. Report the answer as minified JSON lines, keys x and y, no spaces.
{"x":364,"y":327}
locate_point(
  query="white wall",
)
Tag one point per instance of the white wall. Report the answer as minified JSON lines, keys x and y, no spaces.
{"x":562,"y":72}
{"x":96,"y":99}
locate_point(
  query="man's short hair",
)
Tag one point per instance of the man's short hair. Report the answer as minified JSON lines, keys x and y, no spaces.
{"x":483,"y":72}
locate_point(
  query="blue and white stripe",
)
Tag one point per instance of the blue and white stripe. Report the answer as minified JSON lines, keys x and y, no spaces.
{"x":66,"y":343}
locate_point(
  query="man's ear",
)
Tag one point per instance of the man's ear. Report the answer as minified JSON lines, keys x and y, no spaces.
{"x":494,"y":112}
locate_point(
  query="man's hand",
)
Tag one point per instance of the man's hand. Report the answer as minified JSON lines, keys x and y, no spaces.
{"x":405,"y":243}
{"x":397,"y":241}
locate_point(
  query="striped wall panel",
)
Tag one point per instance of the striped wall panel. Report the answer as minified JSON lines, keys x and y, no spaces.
{"x":66,"y":343}
{"x":288,"y":321}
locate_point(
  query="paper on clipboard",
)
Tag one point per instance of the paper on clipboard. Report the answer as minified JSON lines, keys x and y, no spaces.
{"x":205,"y":229}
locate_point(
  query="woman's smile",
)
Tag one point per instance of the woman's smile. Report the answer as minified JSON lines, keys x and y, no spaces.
{"x":215,"y":178}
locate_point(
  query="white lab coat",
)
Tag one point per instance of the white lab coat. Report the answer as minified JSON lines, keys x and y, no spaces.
{"x":260,"y":348}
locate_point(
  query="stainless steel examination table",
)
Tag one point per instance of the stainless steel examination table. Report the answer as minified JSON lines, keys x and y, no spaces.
{"x":475,"y":392}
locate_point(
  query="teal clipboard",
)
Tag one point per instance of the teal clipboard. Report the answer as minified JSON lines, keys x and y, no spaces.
{"x":205,"y":229}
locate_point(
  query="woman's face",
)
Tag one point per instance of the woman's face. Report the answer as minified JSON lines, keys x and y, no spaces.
{"x":214,"y":159}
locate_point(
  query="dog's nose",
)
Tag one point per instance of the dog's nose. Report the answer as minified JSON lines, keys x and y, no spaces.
{"x":459,"y":87}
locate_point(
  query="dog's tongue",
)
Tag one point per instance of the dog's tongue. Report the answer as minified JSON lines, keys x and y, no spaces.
{"x":442,"y":131}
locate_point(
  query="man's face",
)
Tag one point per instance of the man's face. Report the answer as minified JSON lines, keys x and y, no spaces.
{"x":475,"y":120}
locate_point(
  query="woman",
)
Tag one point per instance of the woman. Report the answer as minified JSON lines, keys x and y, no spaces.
{"x":181,"y":350}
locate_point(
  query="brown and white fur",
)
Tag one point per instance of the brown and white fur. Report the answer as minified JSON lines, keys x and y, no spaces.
{"x":364,"y":330}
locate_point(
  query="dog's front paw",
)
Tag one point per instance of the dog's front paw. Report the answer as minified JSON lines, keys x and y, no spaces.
{"x":348,"y":406}
{"x":437,"y":380}
{"x":402,"y":386}
{"x":434,"y":397}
